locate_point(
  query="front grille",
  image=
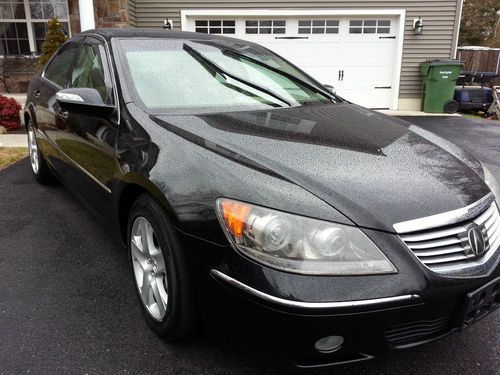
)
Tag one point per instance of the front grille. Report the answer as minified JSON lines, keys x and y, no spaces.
{"x":449,"y":246}
{"x":411,"y":334}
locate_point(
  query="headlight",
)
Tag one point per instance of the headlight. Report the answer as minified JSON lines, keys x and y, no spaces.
{"x":299,"y":244}
{"x":492,"y":183}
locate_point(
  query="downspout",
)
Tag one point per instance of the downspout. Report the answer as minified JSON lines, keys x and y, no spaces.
{"x":458,"y":20}
{"x":87,"y":20}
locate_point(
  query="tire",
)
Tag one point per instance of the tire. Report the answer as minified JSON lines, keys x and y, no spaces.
{"x":451,"y":106}
{"x":168,"y":300}
{"x":41,"y":171}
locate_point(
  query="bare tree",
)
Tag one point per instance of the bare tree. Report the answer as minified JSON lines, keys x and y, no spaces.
{"x":479,"y":23}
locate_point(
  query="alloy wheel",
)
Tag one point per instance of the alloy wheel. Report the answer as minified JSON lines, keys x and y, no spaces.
{"x":33,"y":150}
{"x":149,"y":268}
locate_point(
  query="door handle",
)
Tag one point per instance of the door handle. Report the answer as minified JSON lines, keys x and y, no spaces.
{"x":339,"y":74}
{"x":342,"y":75}
{"x":291,"y":37}
{"x":36,"y":94}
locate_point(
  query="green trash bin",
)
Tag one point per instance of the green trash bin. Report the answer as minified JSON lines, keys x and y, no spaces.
{"x":438,"y":85}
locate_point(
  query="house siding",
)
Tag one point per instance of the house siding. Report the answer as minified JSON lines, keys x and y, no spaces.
{"x":132,"y":18}
{"x":438,"y":41}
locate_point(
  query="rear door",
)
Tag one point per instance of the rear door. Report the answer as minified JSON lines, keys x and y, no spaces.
{"x":88,"y":141}
{"x":43,"y":97}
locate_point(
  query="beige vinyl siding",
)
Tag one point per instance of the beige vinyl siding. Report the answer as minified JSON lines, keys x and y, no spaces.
{"x":132,"y":19}
{"x":440,"y":24}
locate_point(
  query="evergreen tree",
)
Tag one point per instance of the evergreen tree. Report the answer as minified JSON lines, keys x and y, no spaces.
{"x":53,"y":40}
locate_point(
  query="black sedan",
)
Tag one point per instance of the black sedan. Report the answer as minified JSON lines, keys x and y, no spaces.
{"x":254,"y":200}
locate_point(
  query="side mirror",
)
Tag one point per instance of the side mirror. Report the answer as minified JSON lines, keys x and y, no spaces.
{"x":330,"y":88}
{"x":84,"y":101}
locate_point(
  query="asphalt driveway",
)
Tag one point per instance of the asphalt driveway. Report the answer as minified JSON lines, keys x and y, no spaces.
{"x":67,"y":302}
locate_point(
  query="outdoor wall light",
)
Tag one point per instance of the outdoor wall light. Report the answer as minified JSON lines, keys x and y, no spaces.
{"x":167,"y":24}
{"x":418,"y":26}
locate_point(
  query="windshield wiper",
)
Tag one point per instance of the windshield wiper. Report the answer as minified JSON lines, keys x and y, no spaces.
{"x":233,"y":53}
{"x":218,"y":69}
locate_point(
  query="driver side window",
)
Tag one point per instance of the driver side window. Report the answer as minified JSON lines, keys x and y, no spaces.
{"x":58,"y":68}
{"x":91,"y":71}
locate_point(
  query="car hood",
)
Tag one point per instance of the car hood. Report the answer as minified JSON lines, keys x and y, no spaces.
{"x":373,"y":168}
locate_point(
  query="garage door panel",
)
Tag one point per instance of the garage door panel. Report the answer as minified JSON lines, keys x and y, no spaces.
{"x":356,"y":55}
{"x":326,"y":75}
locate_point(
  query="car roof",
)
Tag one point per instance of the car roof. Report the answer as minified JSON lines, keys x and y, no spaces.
{"x":151,"y":33}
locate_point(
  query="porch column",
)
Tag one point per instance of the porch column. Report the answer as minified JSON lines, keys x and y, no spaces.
{"x":87,"y":20}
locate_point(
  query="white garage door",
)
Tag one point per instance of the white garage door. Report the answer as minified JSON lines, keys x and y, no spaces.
{"x":356,"y":55}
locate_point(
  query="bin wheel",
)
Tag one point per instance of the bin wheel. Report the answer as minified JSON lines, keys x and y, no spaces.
{"x":451,"y":106}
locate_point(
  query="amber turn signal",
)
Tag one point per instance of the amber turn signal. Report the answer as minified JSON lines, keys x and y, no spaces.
{"x":234,"y":215}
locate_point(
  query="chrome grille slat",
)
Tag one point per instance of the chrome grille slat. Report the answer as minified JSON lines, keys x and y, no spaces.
{"x":446,"y":258}
{"x":491,"y":221}
{"x":493,"y":232}
{"x":441,"y":251}
{"x":430,"y":235}
{"x":442,"y":248}
{"x":433,"y":243}
{"x":495,"y":239}
{"x":485,"y":215}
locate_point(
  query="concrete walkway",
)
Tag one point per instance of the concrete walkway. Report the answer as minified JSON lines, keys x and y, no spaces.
{"x":20,"y":98}
{"x":13,"y":140}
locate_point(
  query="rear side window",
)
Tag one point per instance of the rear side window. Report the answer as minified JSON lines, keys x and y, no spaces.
{"x":59,"y":67}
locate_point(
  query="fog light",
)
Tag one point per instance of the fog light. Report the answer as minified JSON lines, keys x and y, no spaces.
{"x":329,"y":344}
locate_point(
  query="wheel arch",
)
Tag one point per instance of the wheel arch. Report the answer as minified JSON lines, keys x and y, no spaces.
{"x":29,"y":114}
{"x":132,"y":187}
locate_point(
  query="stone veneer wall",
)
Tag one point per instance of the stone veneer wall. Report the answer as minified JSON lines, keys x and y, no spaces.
{"x":74,"y":16}
{"x":111,"y":13}
{"x":108,"y":13}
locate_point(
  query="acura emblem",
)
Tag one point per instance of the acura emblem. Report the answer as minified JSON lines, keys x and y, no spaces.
{"x":476,"y":239}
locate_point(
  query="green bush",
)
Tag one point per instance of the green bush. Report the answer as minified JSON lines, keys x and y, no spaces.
{"x":9,"y":113}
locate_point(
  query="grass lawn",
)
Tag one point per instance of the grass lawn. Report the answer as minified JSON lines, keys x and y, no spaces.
{"x":472,"y":115}
{"x":9,"y":155}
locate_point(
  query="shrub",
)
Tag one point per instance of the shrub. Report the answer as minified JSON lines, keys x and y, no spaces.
{"x":53,"y":40}
{"x":9,"y":113}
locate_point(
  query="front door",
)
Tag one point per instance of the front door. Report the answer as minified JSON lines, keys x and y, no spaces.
{"x":44,"y":89}
{"x":88,"y":141}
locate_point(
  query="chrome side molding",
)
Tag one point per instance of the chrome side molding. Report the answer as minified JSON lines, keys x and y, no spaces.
{"x":309,"y":305}
{"x":445,"y":218}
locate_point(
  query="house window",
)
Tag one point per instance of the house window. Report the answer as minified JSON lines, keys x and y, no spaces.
{"x":369,"y":26}
{"x":23,"y":24}
{"x":265,"y":26}
{"x":318,"y":26}
{"x":14,"y":38}
{"x":215,"y":26}
{"x":383,"y":26}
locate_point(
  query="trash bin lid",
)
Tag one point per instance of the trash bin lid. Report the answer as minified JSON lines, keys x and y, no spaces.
{"x":444,"y":62}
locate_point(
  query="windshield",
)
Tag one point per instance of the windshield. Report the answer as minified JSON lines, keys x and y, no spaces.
{"x":174,"y":73}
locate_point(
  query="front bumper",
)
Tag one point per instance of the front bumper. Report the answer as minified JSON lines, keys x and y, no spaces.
{"x":272,"y":311}
{"x":254,"y":321}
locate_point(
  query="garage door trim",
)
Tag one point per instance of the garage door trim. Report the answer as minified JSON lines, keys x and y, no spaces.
{"x":186,"y":14}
